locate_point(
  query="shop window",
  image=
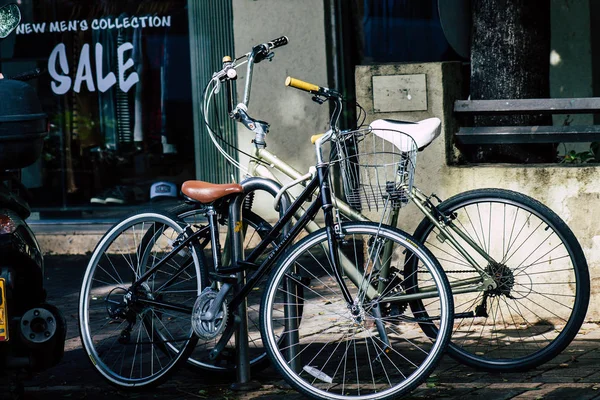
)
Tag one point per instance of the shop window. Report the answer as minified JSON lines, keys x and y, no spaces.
{"x":118,"y":95}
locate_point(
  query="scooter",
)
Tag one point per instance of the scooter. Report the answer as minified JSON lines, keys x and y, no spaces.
{"x":32,"y":332}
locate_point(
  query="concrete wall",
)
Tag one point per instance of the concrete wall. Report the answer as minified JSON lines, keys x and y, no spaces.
{"x":572,"y":192}
{"x":293,"y":116}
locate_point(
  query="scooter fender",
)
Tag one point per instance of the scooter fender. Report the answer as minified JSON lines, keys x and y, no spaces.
{"x":21,"y":260}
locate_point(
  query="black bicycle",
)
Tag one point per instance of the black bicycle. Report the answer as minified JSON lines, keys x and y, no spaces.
{"x":334,"y":317}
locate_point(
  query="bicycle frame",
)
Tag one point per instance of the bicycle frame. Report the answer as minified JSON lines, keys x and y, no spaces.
{"x":448,"y":230}
{"x":325,"y":201}
{"x":262,"y":156}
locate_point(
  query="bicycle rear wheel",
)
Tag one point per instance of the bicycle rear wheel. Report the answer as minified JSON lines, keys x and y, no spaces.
{"x":543,"y":283}
{"x":136,"y":336}
{"x":376,"y":350}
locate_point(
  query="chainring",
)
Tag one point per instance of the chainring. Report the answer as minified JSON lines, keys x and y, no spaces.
{"x":208,"y":329}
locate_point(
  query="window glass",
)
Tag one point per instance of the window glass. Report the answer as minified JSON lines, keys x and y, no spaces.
{"x":118,"y":95}
{"x":403,"y":31}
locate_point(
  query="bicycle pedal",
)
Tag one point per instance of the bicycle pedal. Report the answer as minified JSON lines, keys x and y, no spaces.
{"x":223,"y":277}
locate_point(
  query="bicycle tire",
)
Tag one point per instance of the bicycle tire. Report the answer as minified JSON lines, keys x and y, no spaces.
{"x":328,"y":326}
{"x":505,"y":345}
{"x":115,"y":327}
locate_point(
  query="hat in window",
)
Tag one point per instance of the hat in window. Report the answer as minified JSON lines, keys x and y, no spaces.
{"x":163,"y":190}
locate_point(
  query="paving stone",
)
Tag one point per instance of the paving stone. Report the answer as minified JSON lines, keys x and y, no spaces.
{"x":589,"y":331}
{"x":543,"y":390}
{"x":570,"y":373}
{"x":488,"y":393}
{"x":461,"y":376}
{"x":501,"y":377}
{"x":511,"y":385}
{"x":75,"y":378}
{"x":594,"y":377}
{"x":449,"y":391}
{"x":593,"y":354}
{"x":563,"y":393}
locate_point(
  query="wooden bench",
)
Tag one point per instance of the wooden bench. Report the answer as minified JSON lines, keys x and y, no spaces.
{"x":528,"y":134}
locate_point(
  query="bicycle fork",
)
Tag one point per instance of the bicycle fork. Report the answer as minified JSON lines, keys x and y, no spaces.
{"x":333,"y":230}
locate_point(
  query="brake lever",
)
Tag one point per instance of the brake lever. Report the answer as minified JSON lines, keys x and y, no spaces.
{"x":260,"y":53}
{"x":319,"y":100}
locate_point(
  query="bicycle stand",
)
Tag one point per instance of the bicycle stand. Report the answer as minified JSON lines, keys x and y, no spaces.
{"x":244,"y":380}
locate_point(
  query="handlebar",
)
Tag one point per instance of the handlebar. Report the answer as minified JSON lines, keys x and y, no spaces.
{"x":298,"y":84}
{"x":239,"y":112}
{"x":320,"y":95}
{"x":280,"y":41}
{"x":314,"y":89}
{"x":262,"y":51}
{"x":259,"y":53}
{"x":226,"y":75}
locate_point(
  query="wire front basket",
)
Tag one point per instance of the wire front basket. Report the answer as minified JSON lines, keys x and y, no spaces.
{"x":377,"y":167}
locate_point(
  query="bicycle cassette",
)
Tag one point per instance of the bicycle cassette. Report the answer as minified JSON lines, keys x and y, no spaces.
{"x":208,"y":329}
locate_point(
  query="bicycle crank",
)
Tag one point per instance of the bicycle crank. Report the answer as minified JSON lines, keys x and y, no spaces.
{"x":208,"y":328}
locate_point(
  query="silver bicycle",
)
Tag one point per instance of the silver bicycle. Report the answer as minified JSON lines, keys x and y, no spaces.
{"x":519,"y":276}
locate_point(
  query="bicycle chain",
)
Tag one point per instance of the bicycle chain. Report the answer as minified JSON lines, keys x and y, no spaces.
{"x":460,"y":271}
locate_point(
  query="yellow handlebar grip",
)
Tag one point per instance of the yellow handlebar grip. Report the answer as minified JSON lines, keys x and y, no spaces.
{"x":314,"y":138}
{"x":298,"y":84}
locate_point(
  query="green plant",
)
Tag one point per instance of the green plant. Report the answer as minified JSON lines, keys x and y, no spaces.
{"x":588,"y":156}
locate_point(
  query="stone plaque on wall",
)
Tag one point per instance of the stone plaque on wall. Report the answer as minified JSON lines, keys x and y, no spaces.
{"x":393,"y":93}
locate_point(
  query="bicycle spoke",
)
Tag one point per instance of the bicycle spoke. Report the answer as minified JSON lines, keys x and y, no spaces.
{"x":537,"y":277}
{"x":373,"y":348}
{"x":133,"y":342}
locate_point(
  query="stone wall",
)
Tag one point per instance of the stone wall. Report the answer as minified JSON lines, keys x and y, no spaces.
{"x":572,"y":192}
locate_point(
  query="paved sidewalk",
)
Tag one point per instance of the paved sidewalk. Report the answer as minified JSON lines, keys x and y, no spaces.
{"x":575,"y":374}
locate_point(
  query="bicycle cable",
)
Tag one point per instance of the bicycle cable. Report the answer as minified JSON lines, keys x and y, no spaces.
{"x":362,"y":113}
{"x":208,"y":93}
{"x":213,"y":133}
{"x":222,"y":138}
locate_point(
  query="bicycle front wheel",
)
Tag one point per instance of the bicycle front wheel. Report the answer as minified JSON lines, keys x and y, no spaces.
{"x":542,"y":279}
{"x":374,"y":350}
{"x":136,"y":335}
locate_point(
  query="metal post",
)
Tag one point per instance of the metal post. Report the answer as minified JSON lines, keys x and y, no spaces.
{"x":244,"y":382}
{"x":236,"y":241}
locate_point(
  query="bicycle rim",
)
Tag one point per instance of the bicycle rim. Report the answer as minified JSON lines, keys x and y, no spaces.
{"x":377,"y":351}
{"x":131,"y":341}
{"x":542,"y":280}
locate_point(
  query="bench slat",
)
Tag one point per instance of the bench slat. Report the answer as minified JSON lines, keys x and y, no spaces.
{"x":528,"y":134}
{"x":586,"y":105}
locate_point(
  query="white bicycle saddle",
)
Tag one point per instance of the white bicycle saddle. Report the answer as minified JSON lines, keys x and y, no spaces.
{"x":422,"y":132}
